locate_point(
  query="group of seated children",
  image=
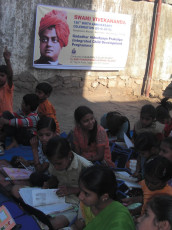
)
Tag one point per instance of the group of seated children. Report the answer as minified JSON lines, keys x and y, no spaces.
{"x":82,"y":169}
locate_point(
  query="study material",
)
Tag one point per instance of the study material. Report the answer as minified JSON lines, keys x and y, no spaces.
{"x":128,"y":142}
{"x":6,"y":220}
{"x":17,"y":173}
{"x":44,"y":200}
{"x":130,"y":181}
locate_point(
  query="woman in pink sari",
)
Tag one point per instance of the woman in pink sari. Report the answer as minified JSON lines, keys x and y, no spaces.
{"x":90,"y":139}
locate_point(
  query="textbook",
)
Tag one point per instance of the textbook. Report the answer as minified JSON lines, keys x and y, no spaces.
{"x":130,"y":181}
{"x":6,"y":220}
{"x":17,"y":173}
{"x":45,"y":200}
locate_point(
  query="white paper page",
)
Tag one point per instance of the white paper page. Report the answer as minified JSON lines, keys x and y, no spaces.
{"x":130,"y":181}
{"x":54,"y":208}
{"x":125,"y":176}
{"x":132,"y":184}
{"x":46,"y":196}
{"x":26,"y":195}
{"x":128,"y":142}
{"x":59,"y":206}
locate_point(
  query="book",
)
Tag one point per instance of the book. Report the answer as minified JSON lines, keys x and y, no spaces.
{"x":128,"y":142}
{"x":130,"y":181}
{"x":45,"y":200}
{"x":17,"y":173}
{"x":6,"y":220}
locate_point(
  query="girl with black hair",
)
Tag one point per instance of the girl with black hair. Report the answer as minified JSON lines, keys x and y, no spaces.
{"x":163,"y":115}
{"x":90,"y":139}
{"x":157,"y":215}
{"x":98,"y":201}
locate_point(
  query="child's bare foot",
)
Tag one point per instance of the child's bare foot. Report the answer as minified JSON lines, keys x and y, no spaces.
{"x":12,"y":145}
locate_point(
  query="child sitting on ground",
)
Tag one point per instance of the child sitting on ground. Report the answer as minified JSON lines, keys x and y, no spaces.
{"x":6,"y":88}
{"x":146,"y":145}
{"x":46,"y":129}
{"x":147,"y":122}
{"x":163,"y":115}
{"x":157,"y":174}
{"x":21,"y":126}
{"x":65,"y":167}
{"x":116,"y":124}
{"x":166,"y":151}
{"x":45,"y":108}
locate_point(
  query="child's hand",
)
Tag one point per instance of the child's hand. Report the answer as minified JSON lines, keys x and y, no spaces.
{"x":45,"y":185}
{"x":6,"y":54}
{"x":63,"y":190}
{"x":34,"y":142}
{"x":137,"y":175}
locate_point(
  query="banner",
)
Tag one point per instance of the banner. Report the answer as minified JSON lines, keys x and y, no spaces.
{"x":68,"y":38}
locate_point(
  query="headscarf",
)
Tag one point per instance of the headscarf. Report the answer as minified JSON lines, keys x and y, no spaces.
{"x":59,"y":20}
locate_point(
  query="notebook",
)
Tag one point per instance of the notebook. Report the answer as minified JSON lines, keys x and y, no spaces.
{"x":6,"y":220}
{"x":44,"y":200}
{"x":130,"y":181}
{"x":17,"y":173}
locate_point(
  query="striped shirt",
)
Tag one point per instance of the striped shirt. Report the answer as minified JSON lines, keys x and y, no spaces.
{"x":21,"y":120}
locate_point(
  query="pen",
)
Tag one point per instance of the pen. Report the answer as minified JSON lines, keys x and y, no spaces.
{"x":24,"y":165}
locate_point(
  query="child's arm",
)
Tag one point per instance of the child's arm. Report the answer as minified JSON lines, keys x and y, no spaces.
{"x":39,"y":167}
{"x":64,"y":190}
{"x":137,"y":173}
{"x":7,"y":56}
{"x":29,"y":121}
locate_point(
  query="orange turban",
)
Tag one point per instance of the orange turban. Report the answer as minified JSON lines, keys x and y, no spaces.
{"x":59,"y":20}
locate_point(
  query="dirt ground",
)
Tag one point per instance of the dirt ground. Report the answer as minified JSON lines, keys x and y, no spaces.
{"x":100,"y":101}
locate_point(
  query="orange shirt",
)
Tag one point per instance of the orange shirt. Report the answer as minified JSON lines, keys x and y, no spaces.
{"x":6,"y":98}
{"x":47,"y":109}
{"x":147,"y":194}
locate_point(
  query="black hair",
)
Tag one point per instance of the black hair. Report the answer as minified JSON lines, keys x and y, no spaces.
{"x":114,"y":121}
{"x":99,"y":179}
{"x":4,"y":69}
{"x":79,"y":113}
{"x":163,"y":109}
{"x":46,"y":122}
{"x":145,"y":141}
{"x":32,"y":100}
{"x":58,"y":146}
{"x":161,"y":206}
{"x":44,"y":87}
{"x":158,"y":167}
{"x":149,"y":110}
{"x":168,"y":141}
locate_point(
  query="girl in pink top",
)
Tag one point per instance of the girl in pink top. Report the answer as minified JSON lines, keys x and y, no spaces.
{"x":90,"y":139}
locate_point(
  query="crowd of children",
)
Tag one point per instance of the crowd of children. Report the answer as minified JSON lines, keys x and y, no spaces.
{"x":80,"y":166}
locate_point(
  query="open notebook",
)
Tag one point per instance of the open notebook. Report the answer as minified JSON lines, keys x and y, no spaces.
{"x":130,"y":181}
{"x":44,"y":200}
